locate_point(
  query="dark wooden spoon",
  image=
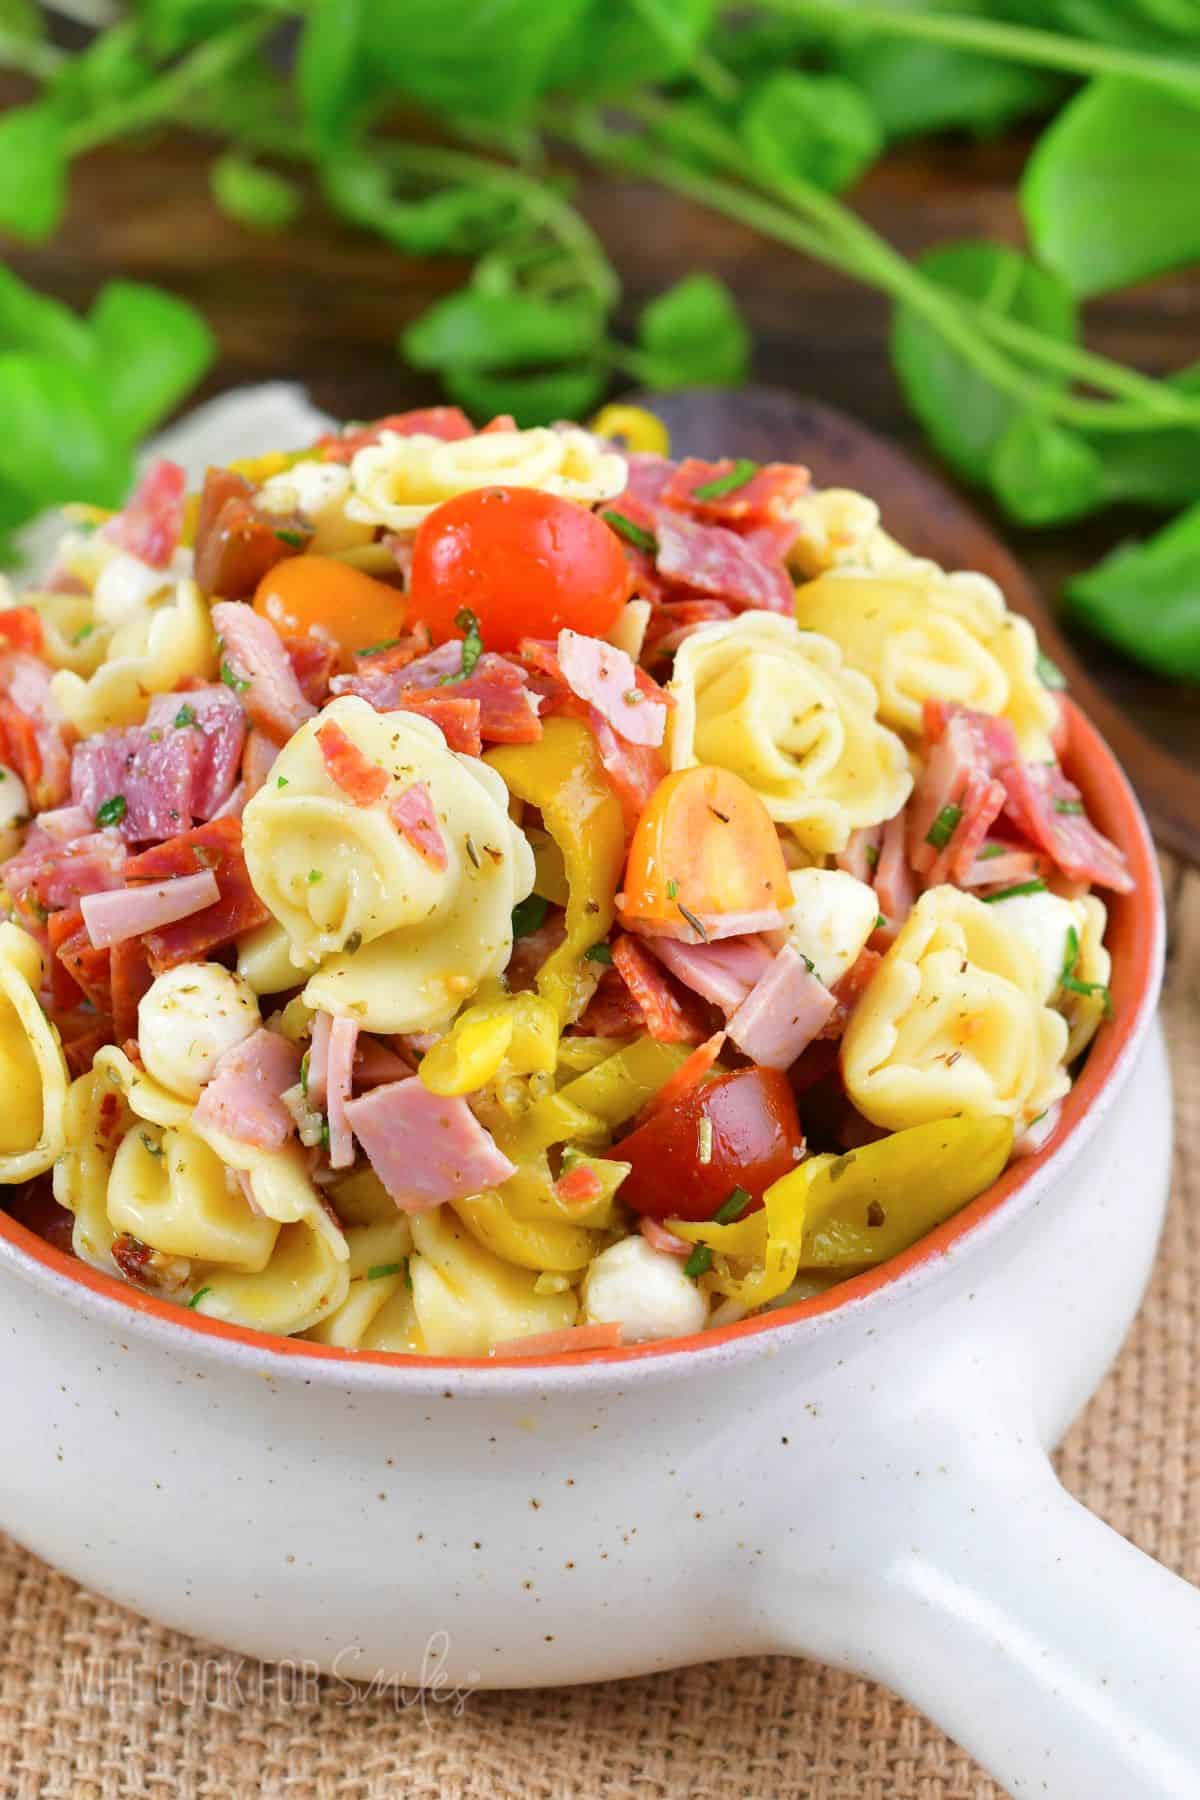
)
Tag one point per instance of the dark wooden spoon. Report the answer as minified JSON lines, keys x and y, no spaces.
{"x":930,"y":519}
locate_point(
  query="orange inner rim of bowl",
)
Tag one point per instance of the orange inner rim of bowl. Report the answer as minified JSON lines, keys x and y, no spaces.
{"x":1133,"y":925}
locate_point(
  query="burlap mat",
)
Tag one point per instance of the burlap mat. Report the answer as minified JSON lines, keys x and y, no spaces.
{"x":95,"y":1704}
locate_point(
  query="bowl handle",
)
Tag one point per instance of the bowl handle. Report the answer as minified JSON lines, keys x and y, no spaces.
{"x":1062,"y":1657}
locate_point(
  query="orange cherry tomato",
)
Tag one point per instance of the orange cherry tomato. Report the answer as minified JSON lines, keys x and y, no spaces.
{"x":705,"y":845}
{"x":318,"y":594}
{"x":752,"y":1137}
{"x":525,"y":563}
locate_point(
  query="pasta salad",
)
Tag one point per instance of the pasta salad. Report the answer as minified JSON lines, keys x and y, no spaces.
{"x":500,"y":891}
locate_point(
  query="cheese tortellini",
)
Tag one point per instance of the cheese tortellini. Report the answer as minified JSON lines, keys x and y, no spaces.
{"x":33,"y":1070}
{"x":954,"y":1021}
{"x":160,"y":644}
{"x":836,"y":526}
{"x":920,"y":634}
{"x":466,"y":1300}
{"x":399,"y":479}
{"x":776,"y":705}
{"x":396,"y":942}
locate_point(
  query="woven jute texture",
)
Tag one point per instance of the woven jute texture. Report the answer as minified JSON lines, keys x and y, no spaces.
{"x":95,"y":1704}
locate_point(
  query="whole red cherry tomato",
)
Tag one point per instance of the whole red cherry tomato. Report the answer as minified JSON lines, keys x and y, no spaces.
{"x":756,"y":1138}
{"x":525,"y":563}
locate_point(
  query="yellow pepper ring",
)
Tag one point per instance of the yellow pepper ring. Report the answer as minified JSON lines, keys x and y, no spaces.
{"x":637,"y":429}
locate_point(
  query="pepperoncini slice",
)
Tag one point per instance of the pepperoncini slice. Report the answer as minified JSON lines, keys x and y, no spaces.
{"x":637,"y":429}
{"x":563,"y":777}
{"x":518,"y":1029}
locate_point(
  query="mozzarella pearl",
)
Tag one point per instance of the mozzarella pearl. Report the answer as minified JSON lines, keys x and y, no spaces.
{"x":188,"y":1019}
{"x":831,"y":918}
{"x":644,"y":1291}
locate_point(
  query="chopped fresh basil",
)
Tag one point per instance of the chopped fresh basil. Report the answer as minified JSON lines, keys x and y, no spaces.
{"x":112,"y":811}
{"x":944,"y":827}
{"x":293,"y":539}
{"x":742,"y":471}
{"x":1072,"y":808}
{"x":528,"y":915}
{"x":699,"y":1262}
{"x":1014,"y":893}
{"x":198,"y":1296}
{"x":732,"y":1209}
{"x":599,"y":953}
{"x":237,"y":682}
{"x":185,"y":716}
{"x":377,"y":1271}
{"x":633,"y":534}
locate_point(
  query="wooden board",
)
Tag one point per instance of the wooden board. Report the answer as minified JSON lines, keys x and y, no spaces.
{"x":931,"y":519}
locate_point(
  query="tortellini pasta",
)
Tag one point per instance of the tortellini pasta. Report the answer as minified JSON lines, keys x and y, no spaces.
{"x":96,"y":1118}
{"x":33,"y":1070}
{"x":160,"y":645}
{"x":776,"y":705}
{"x":399,"y":479}
{"x":921,"y":634}
{"x":954,"y":1021}
{"x":837,"y":526}
{"x":466,"y":1300}
{"x":303,"y":1283}
{"x":170,"y":1190}
{"x":396,"y":942}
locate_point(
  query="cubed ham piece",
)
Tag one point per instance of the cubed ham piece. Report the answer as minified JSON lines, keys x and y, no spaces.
{"x":709,"y":559}
{"x":216,"y":846}
{"x":215,"y":717}
{"x":244,"y":1099}
{"x":782,"y":1014}
{"x":895,"y":888}
{"x":606,"y":678}
{"x":339,"y":1085}
{"x":133,"y":911}
{"x":150,"y":524}
{"x":953,"y":806}
{"x":258,"y":759}
{"x":659,"y":1238}
{"x":252,"y":652}
{"x":425,"y":1148}
{"x":722,"y":973}
{"x":860,"y":858}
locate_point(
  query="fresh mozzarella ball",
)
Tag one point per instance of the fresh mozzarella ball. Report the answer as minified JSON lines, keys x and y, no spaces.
{"x":14,"y":811}
{"x":125,"y":585}
{"x":318,"y":490}
{"x":1042,"y":921}
{"x":644,"y":1291}
{"x":831,"y":918}
{"x":190,"y":1017}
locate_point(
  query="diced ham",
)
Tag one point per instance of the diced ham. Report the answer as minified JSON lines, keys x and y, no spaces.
{"x":712,"y":560}
{"x":413,"y":816}
{"x":446,"y":422}
{"x":659,"y":1238}
{"x":567,"y":1342}
{"x":606,"y":678}
{"x":253,"y":652}
{"x":216,"y":846}
{"x":722,"y":973}
{"x":671,"y":1015}
{"x":150,"y":524}
{"x":132,"y":912}
{"x":860,"y":858}
{"x":457,"y":719}
{"x":361,"y":780}
{"x":782,"y":1014}
{"x":236,"y":544}
{"x":956,"y":775}
{"x":66,"y":823}
{"x":761,"y":499}
{"x":213,"y":715}
{"x":1011,"y":866}
{"x":258,"y":759}
{"x":146,"y":776}
{"x":894,"y":886}
{"x":339,"y":1085}
{"x":21,"y":629}
{"x":423,"y":1147}
{"x":244,"y":1099}
{"x":235,"y":805}
{"x":317,"y":1074}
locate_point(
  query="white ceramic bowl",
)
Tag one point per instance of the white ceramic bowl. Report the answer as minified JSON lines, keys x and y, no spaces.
{"x":862,"y":1478}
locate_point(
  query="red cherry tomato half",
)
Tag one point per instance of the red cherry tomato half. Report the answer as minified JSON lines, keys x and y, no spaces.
{"x":525,"y":563}
{"x":756,"y":1138}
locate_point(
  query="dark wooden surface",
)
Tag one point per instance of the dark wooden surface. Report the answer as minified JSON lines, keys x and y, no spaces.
{"x":324,"y":303}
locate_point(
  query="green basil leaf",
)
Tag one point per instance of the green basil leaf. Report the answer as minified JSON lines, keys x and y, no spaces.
{"x":172,"y":25}
{"x":332,"y":70}
{"x":1160,"y":467}
{"x":565,"y":393}
{"x":615,"y":47}
{"x":693,"y":334}
{"x":58,"y":441}
{"x":33,"y":157}
{"x":1145,"y":599}
{"x":33,"y":321}
{"x":819,"y":128}
{"x":453,"y":221}
{"x":471,"y":330}
{"x":23,"y":20}
{"x":483,"y":59}
{"x":260,"y":198}
{"x":915,"y":89}
{"x":1109,"y":194}
{"x":151,"y":348}
{"x":964,"y":415}
{"x":1042,"y":474}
